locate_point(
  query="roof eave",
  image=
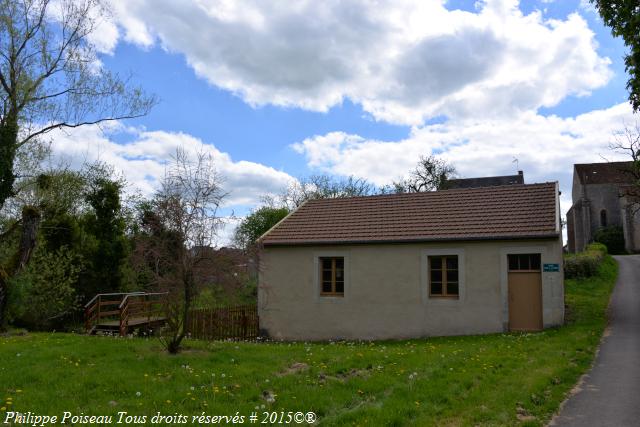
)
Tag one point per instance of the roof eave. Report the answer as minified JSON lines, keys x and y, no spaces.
{"x":553,"y":235}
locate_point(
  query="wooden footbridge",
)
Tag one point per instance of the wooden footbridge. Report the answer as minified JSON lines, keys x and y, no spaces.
{"x":123,"y":312}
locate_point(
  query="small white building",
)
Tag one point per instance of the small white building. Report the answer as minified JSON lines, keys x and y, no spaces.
{"x":453,"y":262}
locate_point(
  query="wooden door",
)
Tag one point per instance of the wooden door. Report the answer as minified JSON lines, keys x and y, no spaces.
{"x":525,"y":292}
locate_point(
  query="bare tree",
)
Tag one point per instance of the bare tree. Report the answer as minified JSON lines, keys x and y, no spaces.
{"x":430,"y":174}
{"x":181,"y":228}
{"x":627,"y":141}
{"x":325,"y":187}
{"x":51,"y":78}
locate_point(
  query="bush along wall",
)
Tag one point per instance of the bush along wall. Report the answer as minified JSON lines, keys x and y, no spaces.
{"x":584,"y":264}
{"x":613,"y":238}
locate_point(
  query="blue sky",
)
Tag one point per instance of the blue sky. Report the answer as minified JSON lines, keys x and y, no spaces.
{"x":278,"y":92}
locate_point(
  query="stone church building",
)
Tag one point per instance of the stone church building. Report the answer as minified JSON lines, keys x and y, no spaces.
{"x":602,"y":195}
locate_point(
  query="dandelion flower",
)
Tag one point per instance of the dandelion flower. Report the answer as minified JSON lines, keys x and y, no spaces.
{"x":138,"y":394}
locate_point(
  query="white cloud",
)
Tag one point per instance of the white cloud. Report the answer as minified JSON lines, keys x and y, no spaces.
{"x":143,"y":158}
{"x":546,"y":148}
{"x":402,"y":60}
{"x":587,"y":6}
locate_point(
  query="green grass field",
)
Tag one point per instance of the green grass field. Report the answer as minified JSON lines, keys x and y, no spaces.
{"x":502,"y":379}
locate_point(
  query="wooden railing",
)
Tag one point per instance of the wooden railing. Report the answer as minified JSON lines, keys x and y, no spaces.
{"x":145,"y":308}
{"x":119,"y":312}
{"x":119,"y":308}
{"x":101,"y":308}
{"x":224,"y":323}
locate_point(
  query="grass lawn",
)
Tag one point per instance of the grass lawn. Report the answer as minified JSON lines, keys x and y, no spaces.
{"x":501,"y":379}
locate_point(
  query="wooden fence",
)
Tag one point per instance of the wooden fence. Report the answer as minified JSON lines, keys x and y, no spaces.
{"x":224,"y":323}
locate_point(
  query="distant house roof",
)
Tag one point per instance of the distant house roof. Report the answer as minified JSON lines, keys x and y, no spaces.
{"x":504,"y":212}
{"x":604,"y":173}
{"x":487,"y":181}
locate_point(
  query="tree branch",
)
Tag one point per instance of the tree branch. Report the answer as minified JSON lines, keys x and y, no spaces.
{"x":75,"y":125}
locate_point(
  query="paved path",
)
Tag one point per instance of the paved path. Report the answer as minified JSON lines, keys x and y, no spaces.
{"x":610,"y":394}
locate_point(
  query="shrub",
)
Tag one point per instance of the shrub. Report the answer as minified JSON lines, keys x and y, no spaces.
{"x":598,"y":247}
{"x":43,"y":295}
{"x":613,"y":238}
{"x":584,"y":264}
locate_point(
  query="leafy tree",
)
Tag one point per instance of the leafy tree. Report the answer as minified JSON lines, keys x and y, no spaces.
{"x":46,"y":292}
{"x":50,"y":78}
{"x":430,"y":174}
{"x":106,"y":226}
{"x":257,"y":223}
{"x":623,"y":16}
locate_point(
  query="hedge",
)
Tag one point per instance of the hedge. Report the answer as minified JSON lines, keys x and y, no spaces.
{"x":613,"y":238}
{"x":584,"y":264}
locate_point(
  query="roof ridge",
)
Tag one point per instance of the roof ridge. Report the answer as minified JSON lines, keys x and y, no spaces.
{"x":421,"y":193}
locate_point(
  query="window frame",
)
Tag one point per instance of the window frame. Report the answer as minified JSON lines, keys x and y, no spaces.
{"x":444,"y":283}
{"x":316,"y":291}
{"x":333,"y":293}
{"x":525,"y":270}
{"x":436,"y":301}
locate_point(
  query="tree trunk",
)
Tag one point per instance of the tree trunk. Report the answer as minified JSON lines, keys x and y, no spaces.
{"x":3,"y":299}
{"x":8,"y":143}
{"x":30,"y":224}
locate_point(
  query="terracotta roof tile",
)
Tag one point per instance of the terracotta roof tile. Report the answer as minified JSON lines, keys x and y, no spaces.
{"x":502,"y":212}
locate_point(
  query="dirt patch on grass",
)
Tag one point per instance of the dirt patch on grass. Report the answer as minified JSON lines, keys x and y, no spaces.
{"x":344,"y":376}
{"x":295,"y":368}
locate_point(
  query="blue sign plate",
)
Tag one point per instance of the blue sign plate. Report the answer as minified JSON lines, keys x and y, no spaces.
{"x":550,"y":267}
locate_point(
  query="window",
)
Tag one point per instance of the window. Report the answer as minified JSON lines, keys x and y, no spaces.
{"x":443,"y":276}
{"x":603,"y":218}
{"x":524,"y":262}
{"x":332,"y":276}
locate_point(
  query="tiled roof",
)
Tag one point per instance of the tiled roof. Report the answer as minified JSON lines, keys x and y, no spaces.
{"x":604,"y":173}
{"x":485,"y":181}
{"x":504,"y":212}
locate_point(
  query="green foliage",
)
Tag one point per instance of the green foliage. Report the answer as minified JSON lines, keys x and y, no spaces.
{"x":598,"y":247}
{"x":60,"y":230}
{"x":257,"y":223}
{"x":613,"y":238}
{"x":584,"y":264}
{"x":44,"y":294}
{"x":106,"y":225}
{"x":81,"y":250}
{"x":623,"y":17}
{"x":216,"y":295}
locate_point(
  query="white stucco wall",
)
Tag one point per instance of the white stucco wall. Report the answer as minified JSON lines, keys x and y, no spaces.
{"x":386,"y":291}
